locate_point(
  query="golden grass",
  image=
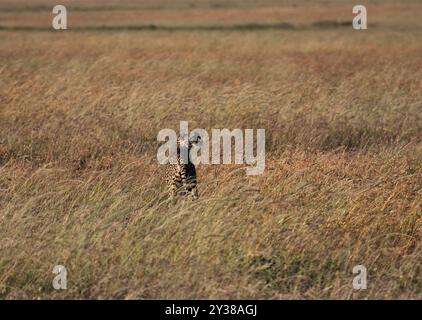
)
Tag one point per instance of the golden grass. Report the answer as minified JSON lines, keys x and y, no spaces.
{"x":80,"y":185}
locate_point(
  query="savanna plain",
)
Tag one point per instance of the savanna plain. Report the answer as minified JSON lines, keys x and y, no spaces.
{"x":80,"y":184}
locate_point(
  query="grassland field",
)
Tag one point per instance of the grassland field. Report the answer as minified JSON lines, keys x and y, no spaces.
{"x":80,"y":185}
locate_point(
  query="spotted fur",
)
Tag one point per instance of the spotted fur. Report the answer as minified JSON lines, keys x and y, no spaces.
{"x":181,"y":178}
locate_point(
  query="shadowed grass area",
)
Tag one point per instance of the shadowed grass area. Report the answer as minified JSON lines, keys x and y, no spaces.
{"x":153,"y":27}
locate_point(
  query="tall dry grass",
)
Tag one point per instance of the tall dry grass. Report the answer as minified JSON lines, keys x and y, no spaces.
{"x":80,"y":185}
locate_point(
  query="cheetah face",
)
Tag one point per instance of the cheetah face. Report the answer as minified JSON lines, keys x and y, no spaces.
{"x":194,"y":141}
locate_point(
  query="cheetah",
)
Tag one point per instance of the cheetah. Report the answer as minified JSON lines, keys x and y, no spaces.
{"x":180,"y":177}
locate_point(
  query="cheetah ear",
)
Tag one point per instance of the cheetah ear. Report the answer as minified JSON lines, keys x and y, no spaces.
{"x":198,"y":142}
{"x":195,"y":139}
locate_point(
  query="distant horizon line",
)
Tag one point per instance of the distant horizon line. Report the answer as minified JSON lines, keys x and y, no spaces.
{"x":324,"y":24}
